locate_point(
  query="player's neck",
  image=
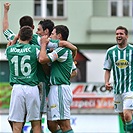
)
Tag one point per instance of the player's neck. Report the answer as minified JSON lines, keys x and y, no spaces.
{"x":24,"y":42}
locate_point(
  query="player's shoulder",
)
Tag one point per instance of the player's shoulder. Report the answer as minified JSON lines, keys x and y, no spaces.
{"x":35,"y":39}
{"x":35,"y":46}
{"x":130,"y":45}
{"x":35,"y":36}
{"x":112,"y":48}
{"x":11,"y":47}
{"x":61,"y":49}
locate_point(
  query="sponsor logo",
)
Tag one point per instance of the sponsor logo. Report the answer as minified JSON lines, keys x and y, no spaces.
{"x":53,"y":106}
{"x":54,"y":116}
{"x":122,"y":64}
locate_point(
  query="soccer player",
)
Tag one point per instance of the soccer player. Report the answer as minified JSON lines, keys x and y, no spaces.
{"x":60,"y":94}
{"x":25,"y":98}
{"x":119,"y":58}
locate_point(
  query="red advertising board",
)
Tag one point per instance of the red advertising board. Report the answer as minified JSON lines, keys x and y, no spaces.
{"x":91,"y":95}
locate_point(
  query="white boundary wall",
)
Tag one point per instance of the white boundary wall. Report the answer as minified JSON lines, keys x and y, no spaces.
{"x":95,"y":72}
{"x":80,"y":124}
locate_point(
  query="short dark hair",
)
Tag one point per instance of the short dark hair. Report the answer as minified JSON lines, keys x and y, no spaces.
{"x":26,"y":21}
{"x":63,"y":30}
{"x":122,"y":28}
{"x":26,"y":33}
{"x":47,"y":24}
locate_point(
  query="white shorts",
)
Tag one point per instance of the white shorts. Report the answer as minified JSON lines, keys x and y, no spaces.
{"x":24,"y":102}
{"x":59,"y":102}
{"x":123,"y":101}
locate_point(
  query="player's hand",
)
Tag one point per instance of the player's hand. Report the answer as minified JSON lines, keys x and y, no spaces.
{"x":8,"y":44}
{"x":44,"y":40}
{"x":14,"y":41}
{"x":108,"y":86}
{"x":7,"y":6}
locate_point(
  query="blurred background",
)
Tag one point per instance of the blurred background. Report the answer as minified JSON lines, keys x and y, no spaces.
{"x":92,"y":25}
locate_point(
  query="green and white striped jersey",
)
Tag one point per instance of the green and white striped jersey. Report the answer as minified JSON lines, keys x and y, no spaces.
{"x":121,"y":62}
{"x":61,"y":67}
{"x":23,"y":60}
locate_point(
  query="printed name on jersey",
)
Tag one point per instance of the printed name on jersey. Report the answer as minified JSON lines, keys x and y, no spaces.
{"x":25,"y":50}
{"x":122,"y":63}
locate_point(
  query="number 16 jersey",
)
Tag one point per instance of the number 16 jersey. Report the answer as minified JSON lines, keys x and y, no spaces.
{"x":23,"y":60}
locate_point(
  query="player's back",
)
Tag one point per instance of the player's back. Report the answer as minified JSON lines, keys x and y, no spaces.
{"x":23,"y":64}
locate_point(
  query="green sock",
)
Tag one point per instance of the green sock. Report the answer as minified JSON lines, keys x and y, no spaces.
{"x":129,"y":126}
{"x":31,"y":131}
{"x":124,"y":127}
{"x":69,"y":131}
{"x":58,"y":131}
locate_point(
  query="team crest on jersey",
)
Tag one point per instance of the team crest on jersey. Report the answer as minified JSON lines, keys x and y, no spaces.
{"x":122,"y":63}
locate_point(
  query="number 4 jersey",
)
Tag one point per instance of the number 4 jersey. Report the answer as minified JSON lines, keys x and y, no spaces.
{"x":23,"y":60}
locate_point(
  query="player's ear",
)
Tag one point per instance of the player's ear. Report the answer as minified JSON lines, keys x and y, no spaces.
{"x":17,"y":36}
{"x":46,"y":31}
{"x":59,"y":36}
{"x":33,"y":26}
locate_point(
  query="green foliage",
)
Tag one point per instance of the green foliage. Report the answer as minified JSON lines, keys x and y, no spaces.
{"x":5,"y":92}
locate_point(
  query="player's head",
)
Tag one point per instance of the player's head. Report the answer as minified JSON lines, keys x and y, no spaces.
{"x":25,"y":33}
{"x":60,"y":32}
{"x":121,"y":36}
{"x":26,"y":21}
{"x":45,"y":27}
{"x":122,"y":28}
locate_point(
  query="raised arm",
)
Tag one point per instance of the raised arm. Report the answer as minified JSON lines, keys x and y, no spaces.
{"x":5,"y":17}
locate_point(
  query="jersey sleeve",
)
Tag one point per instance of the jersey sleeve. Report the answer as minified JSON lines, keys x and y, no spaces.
{"x":53,"y":44}
{"x":53,"y":56}
{"x":37,"y":49}
{"x":9,"y":34}
{"x":107,"y":62}
{"x":7,"y":51}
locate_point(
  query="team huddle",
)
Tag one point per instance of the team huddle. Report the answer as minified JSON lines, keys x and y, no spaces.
{"x":41,"y":66}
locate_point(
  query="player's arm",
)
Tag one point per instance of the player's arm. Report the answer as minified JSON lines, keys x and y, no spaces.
{"x":14,"y":41}
{"x":74,"y":73}
{"x":53,"y":44}
{"x":70,"y":46}
{"x":46,"y":69}
{"x":43,"y":58}
{"x":74,"y":70}
{"x":106,"y":79}
{"x":5,"y":17}
{"x":107,"y":68}
{"x":7,"y":33}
